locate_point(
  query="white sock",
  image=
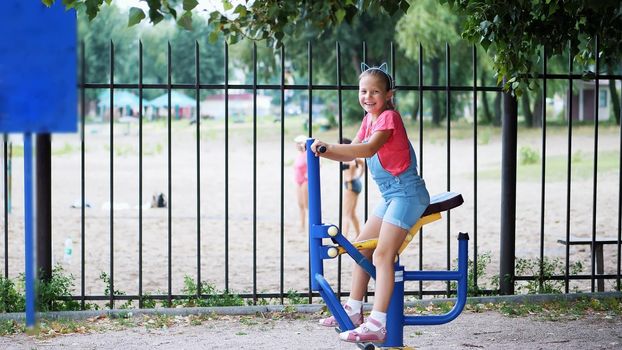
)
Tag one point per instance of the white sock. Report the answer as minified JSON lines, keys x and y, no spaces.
{"x":378,"y":316}
{"x":355,"y":306}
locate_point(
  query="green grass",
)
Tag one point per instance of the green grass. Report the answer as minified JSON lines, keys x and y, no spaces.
{"x":582,"y":167}
{"x":547,"y":311}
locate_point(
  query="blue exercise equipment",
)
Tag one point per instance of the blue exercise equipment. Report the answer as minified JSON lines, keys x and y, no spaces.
{"x":396,"y":320}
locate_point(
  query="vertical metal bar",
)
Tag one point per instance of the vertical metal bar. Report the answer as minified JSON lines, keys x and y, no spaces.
{"x":226,"y":48}
{"x":420,"y":87}
{"x":30,"y":273}
{"x":392,"y":59}
{"x":508,"y":193}
{"x":474,"y":50}
{"x":310,"y":87}
{"x":282,"y":226}
{"x":82,"y":174}
{"x":5,"y":142}
{"x":43,"y":205}
{"x":366,"y":178}
{"x":448,"y":111}
{"x":111,"y":89}
{"x":310,"y":130}
{"x":254,"y":172}
{"x":568,"y":169}
{"x":197,"y":92}
{"x":595,"y":173}
{"x":619,"y":202}
{"x":170,"y":172}
{"x":140,"y":173}
{"x":543,"y":169}
{"x":340,"y":179}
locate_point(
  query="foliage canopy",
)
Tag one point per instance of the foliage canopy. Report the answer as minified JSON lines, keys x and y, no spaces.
{"x":513,"y":33}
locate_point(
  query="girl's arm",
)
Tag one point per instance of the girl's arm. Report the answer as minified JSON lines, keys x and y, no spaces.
{"x":346,"y":153}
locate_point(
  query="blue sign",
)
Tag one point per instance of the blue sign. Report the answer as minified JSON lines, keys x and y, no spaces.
{"x":38,"y":70}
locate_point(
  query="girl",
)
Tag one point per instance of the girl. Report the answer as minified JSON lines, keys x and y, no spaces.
{"x":391,"y":160}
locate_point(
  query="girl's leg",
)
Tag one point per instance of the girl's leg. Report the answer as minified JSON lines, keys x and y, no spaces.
{"x":301,"y":192}
{"x":390,"y":239}
{"x":360,"y":278}
{"x":347,"y":208}
{"x":353,"y":217}
{"x":349,"y":203}
{"x":374,"y":329}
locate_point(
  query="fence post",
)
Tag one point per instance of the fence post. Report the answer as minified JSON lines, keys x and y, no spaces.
{"x":508,"y":193}
{"x":44,"y":205}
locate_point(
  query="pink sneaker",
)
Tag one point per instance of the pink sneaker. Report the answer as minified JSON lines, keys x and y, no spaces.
{"x":357,"y":319}
{"x":363,"y":334}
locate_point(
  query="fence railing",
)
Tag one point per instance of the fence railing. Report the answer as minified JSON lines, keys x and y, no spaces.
{"x":229,"y":242}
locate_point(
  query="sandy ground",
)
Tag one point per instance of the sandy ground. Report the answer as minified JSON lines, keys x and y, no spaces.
{"x":255,"y":193}
{"x":487,"y":330}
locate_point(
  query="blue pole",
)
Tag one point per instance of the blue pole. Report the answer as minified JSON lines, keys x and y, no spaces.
{"x":28,"y":239}
{"x":315,"y":214}
{"x":395,"y":313}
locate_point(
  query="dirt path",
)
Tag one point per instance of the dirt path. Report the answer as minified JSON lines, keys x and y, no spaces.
{"x":471,"y":330}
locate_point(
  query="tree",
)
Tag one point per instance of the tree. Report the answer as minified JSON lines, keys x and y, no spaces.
{"x":266,"y":20}
{"x":419,"y":26}
{"x":515,"y":30}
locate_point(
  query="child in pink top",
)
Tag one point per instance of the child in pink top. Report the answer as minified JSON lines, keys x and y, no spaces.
{"x":300,"y":178}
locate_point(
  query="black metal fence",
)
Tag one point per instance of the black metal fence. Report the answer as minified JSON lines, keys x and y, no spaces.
{"x":596,"y":240}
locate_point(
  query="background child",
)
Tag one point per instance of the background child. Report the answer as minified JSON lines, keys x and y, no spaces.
{"x":300,"y":178}
{"x":352,"y":172}
{"x":382,"y":139}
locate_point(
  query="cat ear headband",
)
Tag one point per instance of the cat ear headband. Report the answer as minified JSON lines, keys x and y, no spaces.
{"x":383,"y":68}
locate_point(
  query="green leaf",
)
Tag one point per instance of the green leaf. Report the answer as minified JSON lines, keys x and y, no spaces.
{"x":189,"y":5}
{"x":91,"y":10}
{"x":69,"y":4}
{"x":48,"y":3}
{"x":136,"y":16}
{"x":241,"y":10}
{"x":185,"y":21}
{"x":213,"y":36}
{"x":340,"y":14}
{"x":155,"y":16}
{"x":485,"y":43}
{"x":226,"y":4}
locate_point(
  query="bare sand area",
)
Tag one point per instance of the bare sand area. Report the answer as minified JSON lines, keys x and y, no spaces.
{"x":249,"y":235}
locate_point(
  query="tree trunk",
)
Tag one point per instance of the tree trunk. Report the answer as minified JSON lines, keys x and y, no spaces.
{"x":615,"y":100}
{"x":526,"y":103}
{"x":416,"y":107}
{"x":486,"y":107}
{"x":496,"y":121}
{"x":436,"y":103}
{"x":537,"y":111}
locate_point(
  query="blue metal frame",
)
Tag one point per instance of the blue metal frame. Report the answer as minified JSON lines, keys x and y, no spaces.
{"x":396,"y":320}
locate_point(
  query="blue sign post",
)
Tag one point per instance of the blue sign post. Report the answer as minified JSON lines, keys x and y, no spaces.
{"x":38,"y":76}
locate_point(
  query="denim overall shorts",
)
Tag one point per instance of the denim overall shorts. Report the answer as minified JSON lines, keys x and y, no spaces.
{"x":405,"y":196}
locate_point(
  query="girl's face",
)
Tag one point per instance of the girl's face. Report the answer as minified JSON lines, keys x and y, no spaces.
{"x":373,"y":94}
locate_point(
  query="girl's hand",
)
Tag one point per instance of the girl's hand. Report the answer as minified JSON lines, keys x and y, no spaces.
{"x":317,"y":146}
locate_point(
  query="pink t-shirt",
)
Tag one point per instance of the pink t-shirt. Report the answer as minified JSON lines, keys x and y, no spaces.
{"x":300,"y":168}
{"x":394,"y":155}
